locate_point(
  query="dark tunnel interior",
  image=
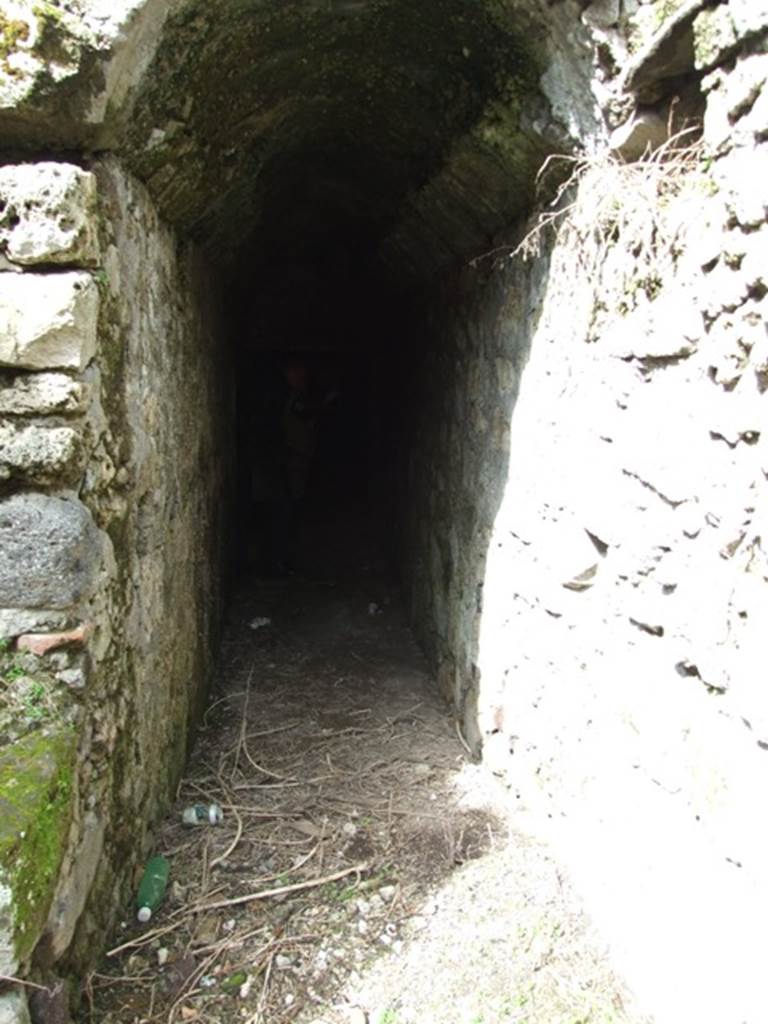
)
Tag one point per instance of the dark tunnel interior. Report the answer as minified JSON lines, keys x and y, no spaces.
{"x":320,"y":339}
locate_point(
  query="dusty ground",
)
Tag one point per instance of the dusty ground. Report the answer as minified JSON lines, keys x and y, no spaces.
{"x":364,"y":870}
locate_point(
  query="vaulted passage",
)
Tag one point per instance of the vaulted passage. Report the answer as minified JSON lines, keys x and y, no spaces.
{"x":337,"y":164}
{"x":292,"y":307}
{"x":264,"y":221}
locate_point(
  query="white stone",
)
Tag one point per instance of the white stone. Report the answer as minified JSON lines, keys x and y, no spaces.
{"x":669,"y":326}
{"x":641,"y":134}
{"x":35,"y":451}
{"x":8,"y":960}
{"x":602,"y":13}
{"x":737,"y":105}
{"x":736,"y":174}
{"x":13,"y":1008}
{"x":48,"y":214}
{"x":74,"y":678}
{"x":748,"y":15}
{"x":714,"y":36}
{"x":754,"y":266}
{"x":756,"y":121}
{"x":717,"y":126}
{"x":746,"y":80}
{"x":41,"y":393}
{"x":15,"y":621}
{"x":48,"y":321}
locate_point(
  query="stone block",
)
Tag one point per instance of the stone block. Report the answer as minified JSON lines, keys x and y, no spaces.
{"x":73,"y":678}
{"x":16,"y":621}
{"x":714,"y":36}
{"x":72,"y":892}
{"x":40,"y":394}
{"x":668,"y":53}
{"x":37,"y":453}
{"x":48,"y":321}
{"x":50,"y":552}
{"x":48,"y":214}
{"x":36,"y":793}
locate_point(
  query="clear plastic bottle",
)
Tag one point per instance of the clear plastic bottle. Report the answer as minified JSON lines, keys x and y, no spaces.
{"x":152,"y":887}
{"x":202,"y":814}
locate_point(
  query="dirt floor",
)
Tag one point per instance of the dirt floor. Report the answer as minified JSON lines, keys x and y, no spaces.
{"x":365,"y":870}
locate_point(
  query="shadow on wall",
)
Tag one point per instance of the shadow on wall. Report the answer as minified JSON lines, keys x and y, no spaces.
{"x":463,"y":390}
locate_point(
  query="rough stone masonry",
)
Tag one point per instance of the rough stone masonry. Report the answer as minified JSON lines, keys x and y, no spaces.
{"x":584,"y":512}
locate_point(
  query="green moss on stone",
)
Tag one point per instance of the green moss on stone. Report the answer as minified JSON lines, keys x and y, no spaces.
{"x":664,"y":9}
{"x":12,"y":32}
{"x":713,"y":36}
{"x":649,"y":19}
{"x":50,"y":44}
{"x":36,"y":788}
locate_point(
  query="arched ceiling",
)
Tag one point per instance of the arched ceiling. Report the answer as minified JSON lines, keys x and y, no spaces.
{"x":414,"y":128}
{"x":409,"y":123}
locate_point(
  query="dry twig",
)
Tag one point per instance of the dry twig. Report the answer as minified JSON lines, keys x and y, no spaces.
{"x":356,"y":869}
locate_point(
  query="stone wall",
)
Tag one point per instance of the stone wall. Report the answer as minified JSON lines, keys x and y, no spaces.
{"x":454,"y":478}
{"x":616,"y":664}
{"x":116,"y":407}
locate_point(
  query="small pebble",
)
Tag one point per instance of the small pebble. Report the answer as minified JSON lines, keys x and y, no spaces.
{"x":162,"y":956}
{"x":72,"y":677}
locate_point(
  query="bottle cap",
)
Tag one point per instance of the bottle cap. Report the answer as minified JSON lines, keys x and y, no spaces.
{"x":144,"y":914}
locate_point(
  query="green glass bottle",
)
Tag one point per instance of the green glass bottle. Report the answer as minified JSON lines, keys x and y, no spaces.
{"x":152,"y":887}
